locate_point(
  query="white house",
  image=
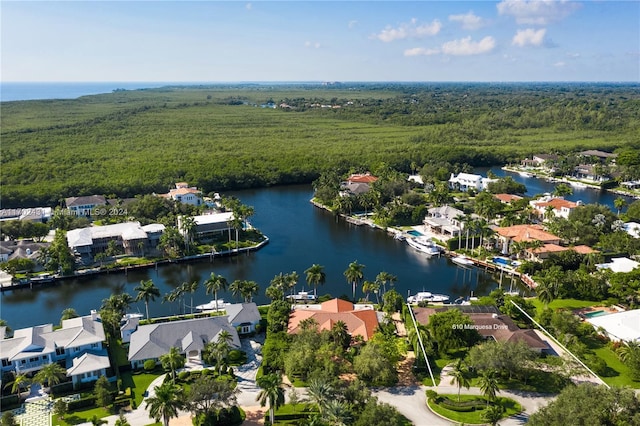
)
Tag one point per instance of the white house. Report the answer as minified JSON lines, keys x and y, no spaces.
{"x":632,"y":228}
{"x":243,"y":317}
{"x":619,"y":264}
{"x":619,"y":326}
{"x":560,"y":207}
{"x":209,"y":225}
{"x":78,"y":345}
{"x":131,"y":237}
{"x":183,"y":193}
{"x":468,"y":181}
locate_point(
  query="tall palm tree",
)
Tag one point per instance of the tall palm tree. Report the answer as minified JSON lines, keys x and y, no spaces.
{"x":320,"y":392}
{"x":315,"y":275}
{"x":172,"y":360}
{"x":291,"y":280}
{"x":188,"y":227}
{"x":191,"y":287}
{"x":368,"y":287}
{"x":340,"y":334}
{"x":51,"y":374}
{"x":248,"y":290}
{"x":546,"y":292}
{"x":171,"y":297}
{"x":236,"y":288}
{"x":460,"y":218}
{"x":118,"y":302}
{"x":492,"y":414}
{"x":354,"y":275}
{"x":147,"y":291}
{"x":489,"y":385}
{"x":385,"y":277}
{"x":166,"y":402}
{"x":460,"y":376}
{"x":619,"y":203}
{"x":214,"y":284}
{"x":271,"y":392}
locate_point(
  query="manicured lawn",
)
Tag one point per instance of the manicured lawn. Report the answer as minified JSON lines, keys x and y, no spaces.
{"x":82,"y":416}
{"x":565,"y":304}
{"x":139,"y":383}
{"x":622,"y":378}
{"x":510,"y":406}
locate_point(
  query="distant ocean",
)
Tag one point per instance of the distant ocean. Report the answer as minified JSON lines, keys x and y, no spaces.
{"x":31,"y":91}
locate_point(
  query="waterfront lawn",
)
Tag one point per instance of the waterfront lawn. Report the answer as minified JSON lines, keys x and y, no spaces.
{"x":510,"y":406}
{"x":565,"y":304}
{"x":618,"y":373}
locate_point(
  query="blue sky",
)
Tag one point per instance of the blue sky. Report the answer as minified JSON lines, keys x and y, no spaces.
{"x":209,"y":41}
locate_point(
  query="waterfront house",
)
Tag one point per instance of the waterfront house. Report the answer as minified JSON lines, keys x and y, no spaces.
{"x":151,"y":341}
{"x":183,"y":193}
{"x":490,"y":324}
{"x":507,"y":198}
{"x":130,"y":237}
{"x":619,"y":326}
{"x":599,"y":155}
{"x":444,"y":220}
{"x":83,"y":206}
{"x":77,"y":345}
{"x":542,"y":253}
{"x":209,"y":225}
{"x":21,"y":249}
{"x":558,"y":205}
{"x":522,"y":233}
{"x":33,"y":214}
{"x":357,"y":184}
{"x":619,"y":264}
{"x":244,"y":317}
{"x":468,"y":181}
{"x":540,"y":160}
{"x":361,"y":320}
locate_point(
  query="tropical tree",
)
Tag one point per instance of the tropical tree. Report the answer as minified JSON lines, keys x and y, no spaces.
{"x":172,"y":361}
{"x":320,"y":391}
{"x":460,"y":376}
{"x":118,"y":302}
{"x":236,"y":288}
{"x":165,"y":402}
{"x":337,"y":413}
{"x":68,"y":314}
{"x":188,"y":227}
{"x":489,"y":385}
{"x":562,"y":189}
{"x":147,"y":291}
{"x":619,"y":203}
{"x":354,"y":275}
{"x":214,"y":284}
{"x":493,"y":414}
{"x":171,"y":297}
{"x":97,"y":421}
{"x":271,"y":393}
{"x":291,"y":280}
{"x":248,"y":289}
{"x":340,"y":334}
{"x":315,"y":276}
{"x":370,"y":286}
{"x":51,"y":374}
{"x":122,"y":420}
{"x":191,"y":287}
{"x":385,"y":277}
{"x":19,"y":382}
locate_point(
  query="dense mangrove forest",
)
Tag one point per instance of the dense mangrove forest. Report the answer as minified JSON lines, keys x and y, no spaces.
{"x":223,"y":137}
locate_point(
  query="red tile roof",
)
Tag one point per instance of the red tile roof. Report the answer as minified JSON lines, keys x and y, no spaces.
{"x":507,"y":198}
{"x":362,"y":178}
{"x":527,"y":233}
{"x":362,"y":322}
{"x":557,"y":204}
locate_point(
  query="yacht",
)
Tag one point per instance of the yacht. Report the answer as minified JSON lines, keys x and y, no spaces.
{"x":424,"y":245}
{"x":462,"y":260}
{"x":302,"y":296}
{"x":211,"y":306}
{"x":426,"y":296}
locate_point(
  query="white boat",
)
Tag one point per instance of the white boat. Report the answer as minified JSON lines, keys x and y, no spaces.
{"x":426,"y":296}
{"x":302,"y":296}
{"x":462,"y":260}
{"x":211,"y":306}
{"x":578,"y":185}
{"x":424,"y":245}
{"x":525,"y":174}
{"x":399,"y":237}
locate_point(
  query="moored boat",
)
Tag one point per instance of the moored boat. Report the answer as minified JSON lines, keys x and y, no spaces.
{"x":302,"y":296}
{"x":462,"y":260}
{"x":211,"y":306}
{"x":426,"y":296}
{"x":424,"y":245}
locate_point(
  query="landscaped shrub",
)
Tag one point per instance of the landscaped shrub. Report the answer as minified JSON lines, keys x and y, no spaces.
{"x":149,"y":365}
{"x":431,"y":394}
{"x":183,"y":376}
{"x":77,"y":404}
{"x":9,"y":402}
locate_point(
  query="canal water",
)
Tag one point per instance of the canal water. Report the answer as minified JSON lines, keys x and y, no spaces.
{"x":300,"y":235}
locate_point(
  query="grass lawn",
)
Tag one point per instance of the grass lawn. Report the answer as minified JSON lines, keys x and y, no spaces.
{"x":510,"y":406}
{"x":82,"y":416}
{"x":138,"y":382}
{"x":622,"y":378}
{"x":565,"y":304}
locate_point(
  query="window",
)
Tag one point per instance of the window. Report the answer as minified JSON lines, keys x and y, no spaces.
{"x":60,"y":351}
{"x":5,"y":362}
{"x":245,"y":329}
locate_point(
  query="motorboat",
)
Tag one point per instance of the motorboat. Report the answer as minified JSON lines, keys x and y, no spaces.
{"x":426,"y":296}
{"x":211,"y":306}
{"x":302,"y":296}
{"x":424,"y":245}
{"x":399,"y":237}
{"x":525,"y":174}
{"x":462,"y":260}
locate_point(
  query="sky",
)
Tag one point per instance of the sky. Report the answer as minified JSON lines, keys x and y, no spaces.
{"x":236,"y":41}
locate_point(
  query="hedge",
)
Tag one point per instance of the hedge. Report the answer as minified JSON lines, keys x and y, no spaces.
{"x":89,"y":401}
{"x":9,"y":402}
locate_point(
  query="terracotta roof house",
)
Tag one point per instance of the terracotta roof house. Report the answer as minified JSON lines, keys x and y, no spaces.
{"x":491,"y":324}
{"x":561,"y":207}
{"x":357,"y":184}
{"x":520,"y":233}
{"x":362,"y":178}
{"x":183,"y":193}
{"x":360,"y":321}
{"x":507,"y":198}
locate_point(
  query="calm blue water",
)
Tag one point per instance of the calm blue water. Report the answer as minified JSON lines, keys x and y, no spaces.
{"x":14,"y":91}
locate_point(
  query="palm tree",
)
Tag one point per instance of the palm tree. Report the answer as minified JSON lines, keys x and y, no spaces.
{"x":337,"y":413}
{"x":187,"y":226}
{"x":340,"y":334}
{"x":171,"y":297}
{"x":214,"y":284}
{"x":315,"y":275}
{"x":20,"y":381}
{"x":147,"y":291}
{"x":383,"y":278}
{"x":546,"y":292}
{"x":248,"y":290}
{"x":414,"y":339}
{"x":354,"y":274}
{"x":191,"y":287}
{"x":122,"y":420}
{"x":51,"y":374}
{"x":172,"y":360}
{"x":489,"y":385}
{"x":629,"y":350}
{"x":320,"y":392}
{"x":236,"y":288}
{"x":368,"y":287}
{"x":619,"y":203}
{"x":68,"y":314}
{"x":118,"y":302}
{"x":271,"y":393}
{"x":492,"y":414}
{"x":97,"y":421}
{"x":460,"y":218}
{"x":166,"y":402}
{"x":291,"y":279}
{"x":460,"y":376}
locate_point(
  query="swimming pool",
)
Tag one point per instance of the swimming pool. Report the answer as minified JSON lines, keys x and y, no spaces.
{"x":594,"y":314}
{"x":415,"y":233}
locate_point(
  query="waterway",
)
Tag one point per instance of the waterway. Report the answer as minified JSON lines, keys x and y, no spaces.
{"x":300,"y":235}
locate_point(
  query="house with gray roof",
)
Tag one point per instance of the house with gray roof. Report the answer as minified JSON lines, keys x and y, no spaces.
{"x":83,"y":206}
{"x":243,"y":317}
{"x":31,"y":348}
{"x":151,"y":341}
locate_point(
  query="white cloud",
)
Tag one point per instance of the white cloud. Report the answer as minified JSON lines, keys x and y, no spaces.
{"x":466,"y":46}
{"x":421,"y":51}
{"x":315,"y":45}
{"x":249,"y":6}
{"x":469,"y":21}
{"x":559,"y":64}
{"x":352,"y":24}
{"x":537,"y":12}
{"x":409,"y":30}
{"x":529,"y":37}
